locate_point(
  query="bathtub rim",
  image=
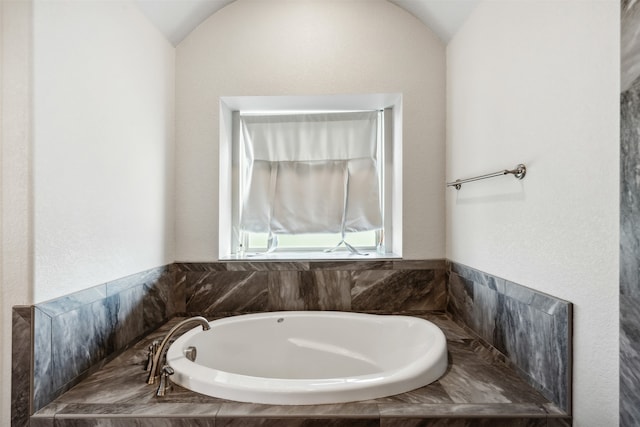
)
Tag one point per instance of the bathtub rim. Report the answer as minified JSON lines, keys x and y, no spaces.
{"x":428,"y":368}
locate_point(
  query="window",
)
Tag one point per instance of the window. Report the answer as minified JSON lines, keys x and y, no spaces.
{"x":315,"y":176}
{"x":307,"y":184}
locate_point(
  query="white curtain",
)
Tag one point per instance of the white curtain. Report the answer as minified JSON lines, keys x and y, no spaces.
{"x":310,"y":173}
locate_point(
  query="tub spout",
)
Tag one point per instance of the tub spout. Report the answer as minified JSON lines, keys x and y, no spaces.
{"x":160,"y":351}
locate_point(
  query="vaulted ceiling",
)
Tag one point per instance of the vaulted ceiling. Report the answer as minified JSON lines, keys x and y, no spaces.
{"x":177,"y":18}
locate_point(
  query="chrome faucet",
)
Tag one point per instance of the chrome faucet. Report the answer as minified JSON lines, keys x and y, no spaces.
{"x":157,"y":352}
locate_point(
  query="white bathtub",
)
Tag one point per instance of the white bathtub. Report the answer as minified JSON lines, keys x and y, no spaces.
{"x":306,"y":357}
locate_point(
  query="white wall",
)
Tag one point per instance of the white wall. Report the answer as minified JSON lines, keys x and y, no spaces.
{"x":15,"y":179}
{"x":309,"y":47}
{"x":103,"y":144}
{"x":538,"y":82}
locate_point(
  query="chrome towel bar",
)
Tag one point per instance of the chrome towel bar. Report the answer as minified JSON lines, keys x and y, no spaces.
{"x":519,"y":172}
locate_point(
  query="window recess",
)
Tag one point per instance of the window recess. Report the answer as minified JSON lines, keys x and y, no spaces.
{"x":310,"y":177}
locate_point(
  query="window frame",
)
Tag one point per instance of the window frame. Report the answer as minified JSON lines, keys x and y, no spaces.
{"x":229,"y":170}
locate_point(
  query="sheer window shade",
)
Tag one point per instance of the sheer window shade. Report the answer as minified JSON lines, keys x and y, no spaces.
{"x":310,"y":173}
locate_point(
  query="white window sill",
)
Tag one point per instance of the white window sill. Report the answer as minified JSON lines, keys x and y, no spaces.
{"x":303,"y":255}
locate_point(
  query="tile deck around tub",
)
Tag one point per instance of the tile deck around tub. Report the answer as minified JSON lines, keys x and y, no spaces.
{"x":478,"y":389}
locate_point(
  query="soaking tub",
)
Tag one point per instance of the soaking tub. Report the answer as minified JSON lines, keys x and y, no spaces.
{"x":306,"y":357}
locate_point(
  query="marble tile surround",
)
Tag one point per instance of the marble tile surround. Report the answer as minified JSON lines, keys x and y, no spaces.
{"x":21,"y":366}
{"x":532,"y":330}
{"x":75,"y":334}
{"x":237,"y":287}
{"x":629,"y":214}
{"x":477,"y":390}
{"x":121,"y":311}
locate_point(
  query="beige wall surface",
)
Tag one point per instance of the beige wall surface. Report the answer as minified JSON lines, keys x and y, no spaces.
{"x":103,"y":108}
{"x":16,"y":232}
{"x":538,"y":83}
{"x":309,"y":47}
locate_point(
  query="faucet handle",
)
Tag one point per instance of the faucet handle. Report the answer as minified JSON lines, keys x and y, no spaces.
{"x":151,"y":352}
{"x":165,"y":385}
{"x":191,"y":353}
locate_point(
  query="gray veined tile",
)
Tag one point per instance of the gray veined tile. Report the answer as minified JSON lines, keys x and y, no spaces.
{"x":429,"y":264}
{"x":472,"y":352}
{"x":167,"y":283}
{"x":73,"y":301}
{"x":432,"y":393}
{"x":463,"y":415}
{"x":145,"y":277}
{"x":452,"y":330}
{"x":252,"y":410}
{"x":50,"y":410}
{"x":179,"y":293}
{"x":532,"y":329}
{"x":499,"y":421}
{"x":126,"y":381}
{"x":458,"y":268}
{"x":468,"y":273}
{"x":399,"y":290}
{"x":21,"y":359}
{"x":629,"y":360}
{"x":227,"y":291}
{"x":200,"y":266}
{"x":487,"y":384}
{"x":520,"y":293}
{"x":629,"y":258}
{"x":41,"y":422}
{"x":345,"y":265}
{"x":364,"y":280}
{"x":486,"y":311}
{"x":156,"y":301}
{"x":130,"y":316}
{"x":543,"y":356}
{"x":629,"y":46}
{"x":461,"y":294}
{"x":43,"y":388}
{"x":152,"y":409}
{"x":81,"y":338}
{"x":333,"y":289}
{"x":295,"y":422}
{"x":462,"y":410}
{"x":347,"y":414}
{"x":548,"y":305}
{"x":478,"y":277}
{"x":629,"y":208}
{"x":292,"y":290}
{"x":554,"y":411}
{"x":559,"y":422}
{"x":464,"y":288}
{"x":629,"y":191}
{"x":494,"y":283}
{"x":118,"y":421}
{"x":465,"y":388}
{"x":45,"y":416}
